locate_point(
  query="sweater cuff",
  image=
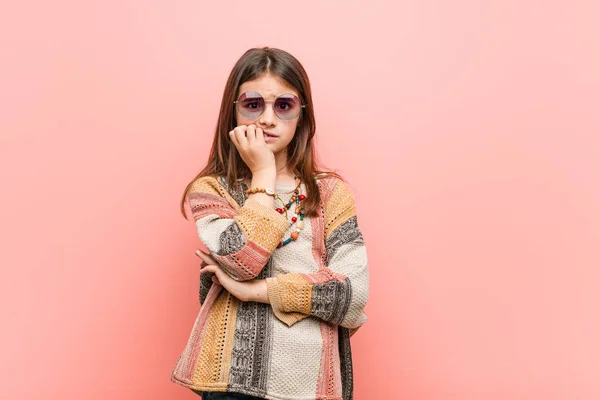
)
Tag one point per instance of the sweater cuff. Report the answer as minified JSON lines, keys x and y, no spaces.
{"x":274,"y":295}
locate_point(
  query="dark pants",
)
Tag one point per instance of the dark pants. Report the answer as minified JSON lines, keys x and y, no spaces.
{"x":225,"y":396}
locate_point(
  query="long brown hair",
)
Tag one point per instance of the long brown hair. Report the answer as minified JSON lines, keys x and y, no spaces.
{"x":224,"y":159}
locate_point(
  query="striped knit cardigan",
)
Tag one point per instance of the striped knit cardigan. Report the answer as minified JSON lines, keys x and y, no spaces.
{"x":297,"y":347}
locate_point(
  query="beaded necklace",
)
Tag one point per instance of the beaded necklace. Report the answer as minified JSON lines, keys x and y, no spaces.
{"x":298,"y":217}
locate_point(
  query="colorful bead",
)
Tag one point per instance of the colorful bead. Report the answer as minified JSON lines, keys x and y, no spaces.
{"x":297,"y":219}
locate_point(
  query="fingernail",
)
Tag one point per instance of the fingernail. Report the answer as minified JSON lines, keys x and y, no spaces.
{"x":198,"y":252}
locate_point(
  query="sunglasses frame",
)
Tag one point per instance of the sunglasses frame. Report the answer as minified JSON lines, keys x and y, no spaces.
{"x":302,"y":106}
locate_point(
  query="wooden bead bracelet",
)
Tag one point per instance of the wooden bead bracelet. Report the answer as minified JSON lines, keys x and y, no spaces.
{"x":269,"y":192}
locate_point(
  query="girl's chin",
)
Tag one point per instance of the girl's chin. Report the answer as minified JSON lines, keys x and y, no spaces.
{"x":277,"y":147}
{"x":273,"y":146}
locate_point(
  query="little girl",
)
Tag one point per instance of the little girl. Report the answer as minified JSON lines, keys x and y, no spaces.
{"x":286,"y":281}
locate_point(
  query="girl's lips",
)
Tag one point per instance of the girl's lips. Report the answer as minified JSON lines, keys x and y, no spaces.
{"x":269,"y":137}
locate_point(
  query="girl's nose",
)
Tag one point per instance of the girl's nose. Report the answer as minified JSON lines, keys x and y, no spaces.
{"x":268,"y":117}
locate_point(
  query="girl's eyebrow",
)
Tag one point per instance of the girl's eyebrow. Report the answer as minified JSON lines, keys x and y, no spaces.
{"x":273,"y":98}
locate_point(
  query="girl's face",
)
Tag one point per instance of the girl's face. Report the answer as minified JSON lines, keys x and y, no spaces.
{"x":278,"y":132}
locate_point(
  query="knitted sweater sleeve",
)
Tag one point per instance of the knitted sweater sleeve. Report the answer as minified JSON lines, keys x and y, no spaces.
{"x":339,"y":292}
{"x":240,"y":239}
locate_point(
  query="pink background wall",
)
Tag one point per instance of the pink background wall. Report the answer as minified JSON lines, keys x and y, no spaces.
{"x":470,"y":131}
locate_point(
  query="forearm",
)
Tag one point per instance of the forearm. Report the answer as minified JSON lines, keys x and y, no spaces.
{"x":241,"y":239}
{"x":334,"y":298}
{"x":257,"y":291}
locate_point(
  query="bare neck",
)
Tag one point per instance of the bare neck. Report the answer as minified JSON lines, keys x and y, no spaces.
{"x":285,"y":176}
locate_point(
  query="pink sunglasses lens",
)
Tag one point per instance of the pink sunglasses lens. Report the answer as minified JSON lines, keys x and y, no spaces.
{"x":287,"y":106}
{"x":251,"y":104}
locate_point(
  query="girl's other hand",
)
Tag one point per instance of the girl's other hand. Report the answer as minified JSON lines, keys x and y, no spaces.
{"x":241,"y":290}
{"x":250,"y":142}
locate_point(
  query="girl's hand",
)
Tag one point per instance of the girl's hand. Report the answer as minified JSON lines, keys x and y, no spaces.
{"x":250,"y":142}
{"x":244,"y":291}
